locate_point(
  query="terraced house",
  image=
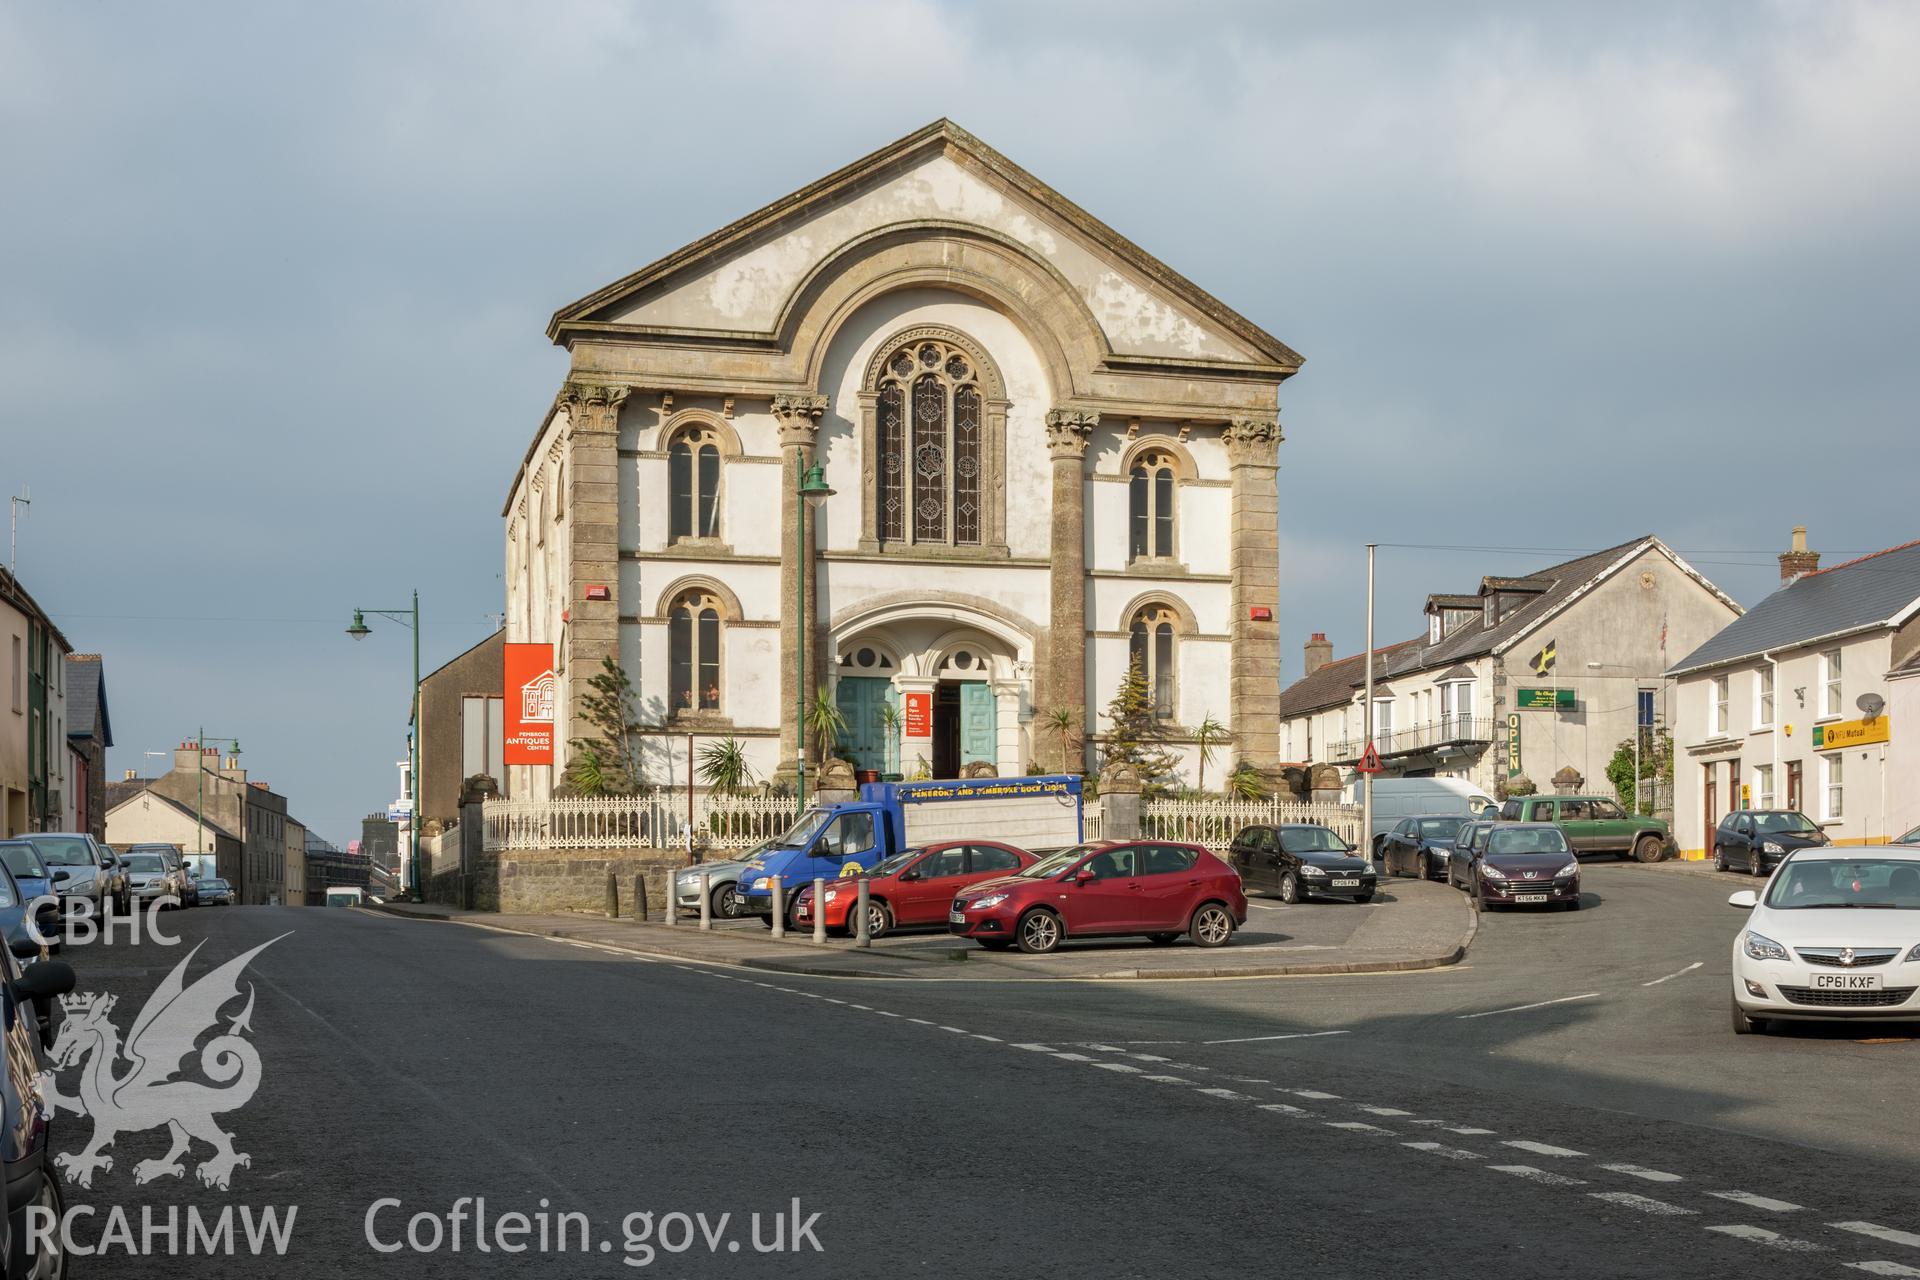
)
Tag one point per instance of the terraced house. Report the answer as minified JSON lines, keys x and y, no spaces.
{"x":1042,"y":454}
{"x":1794,"y":705}
{"x":1527,"y":681}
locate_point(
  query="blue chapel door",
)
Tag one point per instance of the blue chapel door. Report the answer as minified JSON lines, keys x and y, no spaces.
{"x":979,"y":736}
{"x":868,"y":739}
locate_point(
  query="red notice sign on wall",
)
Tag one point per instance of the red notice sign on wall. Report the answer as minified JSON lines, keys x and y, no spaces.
{"x":529,"y":704}
{"x":919,"y":716}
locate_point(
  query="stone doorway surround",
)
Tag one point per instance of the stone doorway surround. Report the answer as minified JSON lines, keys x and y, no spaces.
{"x":930,"y":641}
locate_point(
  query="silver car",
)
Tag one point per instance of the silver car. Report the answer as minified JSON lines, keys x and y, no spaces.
{"x":723,"y":885}
{"x":79,"y":871}
{"x":150,"y":877}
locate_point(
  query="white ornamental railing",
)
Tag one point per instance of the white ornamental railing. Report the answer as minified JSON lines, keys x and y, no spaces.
{"x":637,"y":822}
{"x":1214,"y":823}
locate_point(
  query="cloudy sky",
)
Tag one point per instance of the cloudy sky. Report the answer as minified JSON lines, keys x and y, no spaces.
{"x":276,"y":275}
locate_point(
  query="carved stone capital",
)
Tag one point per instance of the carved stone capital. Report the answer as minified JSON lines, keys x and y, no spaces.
{"x":1253,"y":441}
{"x":799,"y":419}
{"x":1068,"y":430}
{"x":593,"y":406}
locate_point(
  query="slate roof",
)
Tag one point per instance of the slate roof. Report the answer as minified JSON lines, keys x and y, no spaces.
{"x":87,"y":699}
{"x":171,"y":803}
{"x":120,"y":789}
{"x":1551,"y":588}
{"x":1872,"y":591}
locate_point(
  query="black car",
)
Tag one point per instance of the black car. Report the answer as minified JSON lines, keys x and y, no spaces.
{"x":29,"y":998}
{"x":1300,"y":860}
{"x":1755,"y":840}
{"x":1421,"y":846}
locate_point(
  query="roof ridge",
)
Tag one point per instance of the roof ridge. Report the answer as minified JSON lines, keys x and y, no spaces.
{"x":1871,"y":555}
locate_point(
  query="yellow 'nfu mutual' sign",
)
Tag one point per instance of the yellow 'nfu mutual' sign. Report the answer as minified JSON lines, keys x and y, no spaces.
{"x":1852,"y":733}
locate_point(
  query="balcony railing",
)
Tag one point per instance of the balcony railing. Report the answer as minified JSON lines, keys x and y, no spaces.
{"x":1449,"y":731}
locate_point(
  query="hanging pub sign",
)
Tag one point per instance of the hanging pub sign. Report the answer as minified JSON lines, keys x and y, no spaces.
{"x":528,"y":701}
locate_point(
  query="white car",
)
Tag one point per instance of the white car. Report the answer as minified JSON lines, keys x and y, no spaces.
{"x":1835,"y":936}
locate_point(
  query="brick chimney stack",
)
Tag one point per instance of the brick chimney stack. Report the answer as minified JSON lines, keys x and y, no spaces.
{"x":1799,"y":561}
{"x":1319,"y":652}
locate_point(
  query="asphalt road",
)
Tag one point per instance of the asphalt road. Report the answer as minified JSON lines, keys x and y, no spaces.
{"x":1426,"y":1124}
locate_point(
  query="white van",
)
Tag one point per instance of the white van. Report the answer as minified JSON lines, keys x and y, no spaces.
{"x":1397,"y":798}
{"x":345,"y":896}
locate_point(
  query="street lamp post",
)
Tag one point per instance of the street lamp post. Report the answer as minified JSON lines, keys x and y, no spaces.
{"x":200,"y":740}
{"x":813,"y":491}
{"x":359,"y":630}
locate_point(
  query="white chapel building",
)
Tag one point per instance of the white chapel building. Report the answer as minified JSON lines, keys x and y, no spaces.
{"x":1047,"y":451}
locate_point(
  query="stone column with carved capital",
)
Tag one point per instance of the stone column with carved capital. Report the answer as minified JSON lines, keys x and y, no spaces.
{"x":1253,"y":455}
{"x":798,"y":417}
{"x":592,"y":513}
{"x":1063,"y":683}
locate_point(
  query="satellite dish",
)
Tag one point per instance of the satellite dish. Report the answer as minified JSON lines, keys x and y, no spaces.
{"x":1871,"y":703}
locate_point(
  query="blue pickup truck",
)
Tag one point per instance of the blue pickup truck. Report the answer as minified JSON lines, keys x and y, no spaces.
{"x":845,"y":839}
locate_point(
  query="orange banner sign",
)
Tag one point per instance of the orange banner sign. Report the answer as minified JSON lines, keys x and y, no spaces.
{"x":529,"y":703}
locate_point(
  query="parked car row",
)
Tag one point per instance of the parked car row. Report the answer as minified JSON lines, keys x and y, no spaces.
{"x":1496,"y":863}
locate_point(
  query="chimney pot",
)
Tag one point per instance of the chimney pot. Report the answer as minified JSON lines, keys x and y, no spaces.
{"x":1319,"y":652}
{"x":1799,"y":561}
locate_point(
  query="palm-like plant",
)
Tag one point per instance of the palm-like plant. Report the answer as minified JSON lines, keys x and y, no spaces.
{"x":1246,"y":782}
{"x":824,"y":720}
{"x":724,"y":767}
{"x":890,"y":721}
{"x":1209,"y":736}
{"x":1059,"y":722}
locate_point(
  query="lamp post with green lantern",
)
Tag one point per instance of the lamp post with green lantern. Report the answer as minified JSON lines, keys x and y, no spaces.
{"x":359,"y":630}
{"x":813,"y":491}
{"x":201,"y":740}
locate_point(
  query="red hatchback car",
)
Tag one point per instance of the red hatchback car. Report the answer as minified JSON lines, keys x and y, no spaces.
{"x":1147,"y":887}
{"x":913,"y":887}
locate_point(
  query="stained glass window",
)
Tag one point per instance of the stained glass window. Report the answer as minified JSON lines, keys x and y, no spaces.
{"x":930,"y":429}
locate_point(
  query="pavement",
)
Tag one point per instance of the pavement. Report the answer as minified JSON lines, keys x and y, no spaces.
{"x":1408,"y":925}
{"x":1567,"y":1102}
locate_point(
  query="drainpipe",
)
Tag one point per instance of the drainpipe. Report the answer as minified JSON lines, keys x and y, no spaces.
{"x":1777,"y":781}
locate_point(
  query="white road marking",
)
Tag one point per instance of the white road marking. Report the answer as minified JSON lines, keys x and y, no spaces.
{"x":1104,"y":1048}
{"x":1035,"y":1048}
{"x":1757,"y":1202}
{"x":1669,"y":978}
{"x":1884,"y":1268}
{"x":1651,"y":1175}
{"x":1291,"y":1035}
{"x":1246,"y":1079}
{"x":1167,"y":1079}
{"x":1228,"y":1094}
{"x":1285,"y":1108}
{"x":1539,"y":1004}
{"x":922,"y":1021}
{"x":1772,"y":1239}
{"x":1451,"y":1153}
{"x":1118,"y":1066}
{"x":1315,"y":1094}
{"x":959,"y":1031}
{"x":885,"y":1014}
{"x":1466,"y":1131}
{"x":831,"y":1000}
{"x":1073,"y":1057}
{"x":1645,"y":1204}
{"x":1532,"y":1174}
{"x":1380,"y":1111}
{"x":988,"y":1039}
{"x":1542,"y":1149}
{"x":1880,"y":1233}
{"x":1354,"y":1126}
{"x":1148,"y":1057}
{"x":861,"y":1007}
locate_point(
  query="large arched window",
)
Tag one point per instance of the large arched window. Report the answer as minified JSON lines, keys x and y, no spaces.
{"x":1151,"y":644}
{"x":1151,"y":500}
{"x":930,"y":423}
{"x":693,"y":484}
{"x":693,"y":652}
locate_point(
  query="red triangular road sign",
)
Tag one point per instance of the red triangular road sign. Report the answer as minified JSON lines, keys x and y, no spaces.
{"x":1369,"y":761}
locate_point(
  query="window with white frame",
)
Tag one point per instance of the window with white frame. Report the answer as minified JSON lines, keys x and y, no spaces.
{"x":1763,"y":786}
{"x":1382,"y":719}
{"x":1832,"y":786}
{"x":1763,"y":698}
{"x":1718,"y":720}
{"x":1456,"y":706}
{"x":1830,"y":683}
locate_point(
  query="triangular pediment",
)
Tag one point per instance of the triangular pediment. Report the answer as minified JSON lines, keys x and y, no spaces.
{"x":740,"y":281}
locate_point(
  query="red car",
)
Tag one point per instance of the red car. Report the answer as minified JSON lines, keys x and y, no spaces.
{"x":1148,"y":887}
{"x":913,"y":887}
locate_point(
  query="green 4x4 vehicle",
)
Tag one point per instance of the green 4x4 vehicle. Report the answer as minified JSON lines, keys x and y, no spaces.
{"x":1596,"y":824}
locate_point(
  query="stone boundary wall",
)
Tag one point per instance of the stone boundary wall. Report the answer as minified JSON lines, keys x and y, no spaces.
{"x":549,"y":880}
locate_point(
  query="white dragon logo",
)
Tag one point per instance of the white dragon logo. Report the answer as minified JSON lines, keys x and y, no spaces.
{"x":146,"y":1095}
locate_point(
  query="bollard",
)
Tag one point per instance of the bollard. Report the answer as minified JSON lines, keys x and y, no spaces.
{"x":640,"y":900}
{"x":779,"y":908}
{"x":706,"y":904}
{"x":613,"y":896}
{"x":862,"y":937}
{"x":819,"y":909}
